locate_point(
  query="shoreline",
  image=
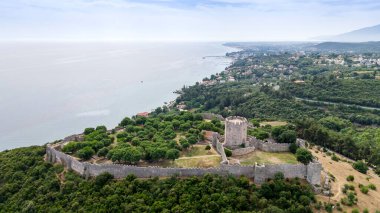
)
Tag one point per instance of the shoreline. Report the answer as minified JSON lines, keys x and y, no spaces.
{"x":20,"y":136}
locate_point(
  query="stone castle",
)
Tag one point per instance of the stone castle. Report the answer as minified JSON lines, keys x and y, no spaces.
{"x":235,"y":132}
{"x":235,"y":138}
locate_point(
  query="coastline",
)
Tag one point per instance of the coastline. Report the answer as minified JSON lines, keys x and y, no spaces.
{"x":50,"y":130}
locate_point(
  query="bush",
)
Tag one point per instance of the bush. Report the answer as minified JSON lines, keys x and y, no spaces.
{"x":360,"y":166}
{"x":208,"y":147}
{"x":88,"y":130}
{"x":355,"y":211}
{"x":349,"y":187}
{"x":172,"y":154}
{"x":85,"y":153}
{"x":288,"y":136}
{"x":304,"y":156}
{"x":103,"y":152}
{"x":293,"y":148}
{"x":350,"y":178}
{"x":228,"y":152}
{"x":372,"y":186}
{"x":364,"y":189}
{"x":335,"y":158}
{"x":103,"y":178}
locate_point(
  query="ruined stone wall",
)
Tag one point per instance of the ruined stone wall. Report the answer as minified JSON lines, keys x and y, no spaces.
{"x":210,"y":116}
{"x":314,"y":170}
{"x":220,"y":149}
{"x":243,"y":151}
{"x":268,"y":146}
{"x":260,"y":173}
{"x":235,"y":131}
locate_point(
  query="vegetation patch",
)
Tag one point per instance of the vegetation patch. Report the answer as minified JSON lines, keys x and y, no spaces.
{"x":29,"y":184}
{"x":267,"y":158}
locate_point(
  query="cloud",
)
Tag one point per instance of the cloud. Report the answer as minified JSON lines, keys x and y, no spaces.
{"x":183,"y":19}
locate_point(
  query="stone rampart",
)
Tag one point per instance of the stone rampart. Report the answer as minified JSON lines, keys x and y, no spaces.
{"x":210,"y":116}
{"x":243,"y":151}
{"x":268,"y":146}
{"x":220,"y":149}
{"x":260,"y":173}
{"x":235,"y":133}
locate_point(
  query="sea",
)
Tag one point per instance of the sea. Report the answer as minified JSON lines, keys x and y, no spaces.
{"x":50,"y":90}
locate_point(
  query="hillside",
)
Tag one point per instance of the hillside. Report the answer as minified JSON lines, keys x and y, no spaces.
{"x":29,"y":184}
{"x":362,"y":47}
{"x":360,"y":35}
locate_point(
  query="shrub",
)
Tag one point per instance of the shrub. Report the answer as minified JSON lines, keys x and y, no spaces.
{"x":85,"y":153}
{"x":279,"y":176}
{"x":365,"y":211}
{"x":350,"y":178}
{"x":355,"y":211}
{"x":172,"y":154}
{"x":372,"y":186}
{"x":349,"y":187}
{"x":228,"y":152}
{"x":103,"y":152}
{"x":293,"y":148}
{"x":288,"y":136}
{"x":360,"y":166}
{"x":304,"y":156}
{"x":364,"y":189}
{"x":208,"y":147}
{"x":103,"y":178}
{"x":329,"y":207}
{"x":335,"y":158}
{"x":88,"y":130}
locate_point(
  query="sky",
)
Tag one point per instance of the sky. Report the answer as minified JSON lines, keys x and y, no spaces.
{"x":183,"y":20}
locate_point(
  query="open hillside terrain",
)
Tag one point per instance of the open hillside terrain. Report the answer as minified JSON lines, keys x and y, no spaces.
{"x":340,"y":170}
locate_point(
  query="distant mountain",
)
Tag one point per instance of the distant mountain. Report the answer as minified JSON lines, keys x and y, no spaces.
{"x":360,"y":35}
{"x":360,"y":47}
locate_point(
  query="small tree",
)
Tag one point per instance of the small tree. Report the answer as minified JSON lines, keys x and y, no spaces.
{"x":350,"y":178}
{"x":85,"y":153}
{"x":103,"y":152}
{"x":293,"y":148}
{"x":208,"y":147}
{"x":103,"y":179}
{"x":304,"y":156}
{"x":88,"y":130}
{"x":360,"y":166}
{"x":228,"y":152}
{"x":172,"y":154}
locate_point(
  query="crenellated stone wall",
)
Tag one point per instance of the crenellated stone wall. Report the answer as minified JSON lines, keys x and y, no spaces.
{"x":243,"y":151}
{"x":260,"y":173}
{"x":268,"y":146}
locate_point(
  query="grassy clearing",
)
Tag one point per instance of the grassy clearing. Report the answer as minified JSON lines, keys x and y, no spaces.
{"x":267,"y":158}
{"x":197,"y":150}
{"x":273,"y":123}
{"x":200,"y":161}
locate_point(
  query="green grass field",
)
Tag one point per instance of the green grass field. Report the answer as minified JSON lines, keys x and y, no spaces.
{"x":198,"y":150}
{"x":267,"y":158}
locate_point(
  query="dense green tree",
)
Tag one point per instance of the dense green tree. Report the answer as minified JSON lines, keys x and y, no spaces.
{"x":304,"y":156}
{"x":360,"y":166}
{"x":85,"y":153}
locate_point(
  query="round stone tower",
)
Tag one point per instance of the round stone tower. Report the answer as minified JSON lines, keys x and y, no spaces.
{"x":235,"y":131}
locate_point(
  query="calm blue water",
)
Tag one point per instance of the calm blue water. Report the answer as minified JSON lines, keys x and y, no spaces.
{"x":51,"y":90}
